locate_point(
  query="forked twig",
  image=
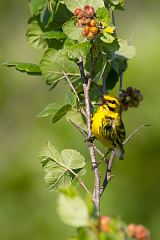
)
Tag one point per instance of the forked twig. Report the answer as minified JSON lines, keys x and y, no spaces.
{"x":74,"y":90}
{"x":134,"y":133}
{"x":84,"y":133}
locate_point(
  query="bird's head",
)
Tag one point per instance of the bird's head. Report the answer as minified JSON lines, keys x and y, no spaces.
{"x":111,"y":103}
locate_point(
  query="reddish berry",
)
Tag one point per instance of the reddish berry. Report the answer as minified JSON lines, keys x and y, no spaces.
{"x":138,"y":232}
{"x":81,"y":22}
{"x":87,"y":30}
{"x":87,"y":21}
{"x":89,"y":11}
{"x":94,"y":30}
{"x":93,"y":23}
{"x":90,"y":36}
{"x":78,"y":12}
{"x":104,"y":222}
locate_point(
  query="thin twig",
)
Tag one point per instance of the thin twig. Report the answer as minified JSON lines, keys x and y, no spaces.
{"x":74,"y":90}
{"x":96,"y":192}
{"x":120,"y":82}
{"x":80,"y":180}
{"x":84,"y":133}
{"x":108,"y":175}
{"x":71,"y":85}
{"x":134,"y":133}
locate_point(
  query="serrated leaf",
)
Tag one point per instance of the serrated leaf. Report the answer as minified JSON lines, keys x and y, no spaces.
{"x":53,"y":35}
{"x":53,"y":66}
{"x":34,"y":35}
{"x":99,"y":75}
{"x":62,"y":15}
{"x":36,"y":6}
{"x":78,"y":50}
{"x":95,"y":92}
{"x":61,"y":112}
{"x":73,"y":32}
{"x":112,"y":79}
{"x":49,"y":110}
{"x":126,"y":51}
{"x":72,"y":5}
{"x":73,"y":210}
{"x":72,"y":158}
{"x":103,"y":15}
{"x":29,"y":68}
{"x":48,"y":12}
{"x":70,"y":98}
{"x":58,"y":167}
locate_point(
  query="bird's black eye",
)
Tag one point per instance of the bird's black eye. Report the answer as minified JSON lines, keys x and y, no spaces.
{"x":113,"y":102}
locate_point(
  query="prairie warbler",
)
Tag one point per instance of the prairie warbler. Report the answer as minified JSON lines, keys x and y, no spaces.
{"x":107,"y":125}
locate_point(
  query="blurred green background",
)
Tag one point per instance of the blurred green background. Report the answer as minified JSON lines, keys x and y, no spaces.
{"x":27,"y":209}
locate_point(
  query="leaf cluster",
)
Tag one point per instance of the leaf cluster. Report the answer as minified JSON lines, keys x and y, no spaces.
{"x":52,"y":27}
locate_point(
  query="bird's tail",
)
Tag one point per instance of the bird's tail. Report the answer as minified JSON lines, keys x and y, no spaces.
{"x":119,"y":151}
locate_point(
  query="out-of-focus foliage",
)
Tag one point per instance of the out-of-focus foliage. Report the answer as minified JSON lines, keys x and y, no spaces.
{"x":27,"y":209}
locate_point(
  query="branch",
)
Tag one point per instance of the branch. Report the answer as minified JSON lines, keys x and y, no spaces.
{"x":120,"y":82}
{"x":71,"y":86}
{"x":80,"y":180}
{"x":84,"y":133}
{"x":134,"y":133}
{"x":108,"y":175}
{"x":96,"y":192}
{"x":74,"y":90}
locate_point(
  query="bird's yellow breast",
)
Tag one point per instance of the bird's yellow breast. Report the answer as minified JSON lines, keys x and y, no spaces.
{"x":102,"y":120}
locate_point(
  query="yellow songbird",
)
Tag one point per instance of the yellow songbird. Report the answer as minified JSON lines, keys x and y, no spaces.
{"x":107,"y":125}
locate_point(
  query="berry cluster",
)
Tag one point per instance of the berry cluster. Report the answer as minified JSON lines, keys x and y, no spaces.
{"x":130,"y":98}
{"x":134,"y":231}
{"x":138,"y":232}
{"x":86,"y":19}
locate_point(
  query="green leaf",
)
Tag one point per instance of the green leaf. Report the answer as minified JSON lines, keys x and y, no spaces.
{"x":53,"y":66}
{"x":76,"y":118}
{"x":119,"y":64}
{"x":48,"y":12}
{"x":29,"y":68}
{"x":34,"y":35}
{"x":78,"y":50}
{"x":70,"y":98}
{"x":73,"y":210}
{"x":59,"y":168}
{"x":88,"y":234}
{"x":49,"y":110}
{"x":55,"y":110}
{"x":73,"y":32}
{"x":72,"y":5}
{"x":95,"y":92}
{"x":53,"y":34}
{"x":62,"y":15}
{"x":125,"y":51}
{"x":73,"y":159}
{"x":112,"y":79}
{"x":107,"y":38}
{"x":103,"y":15}
{"x":100,"y":73}
{"x":36,"y":6}
{"x":56,"y":175}
{"x":117,"y":4}
{"x":61,"y":112}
